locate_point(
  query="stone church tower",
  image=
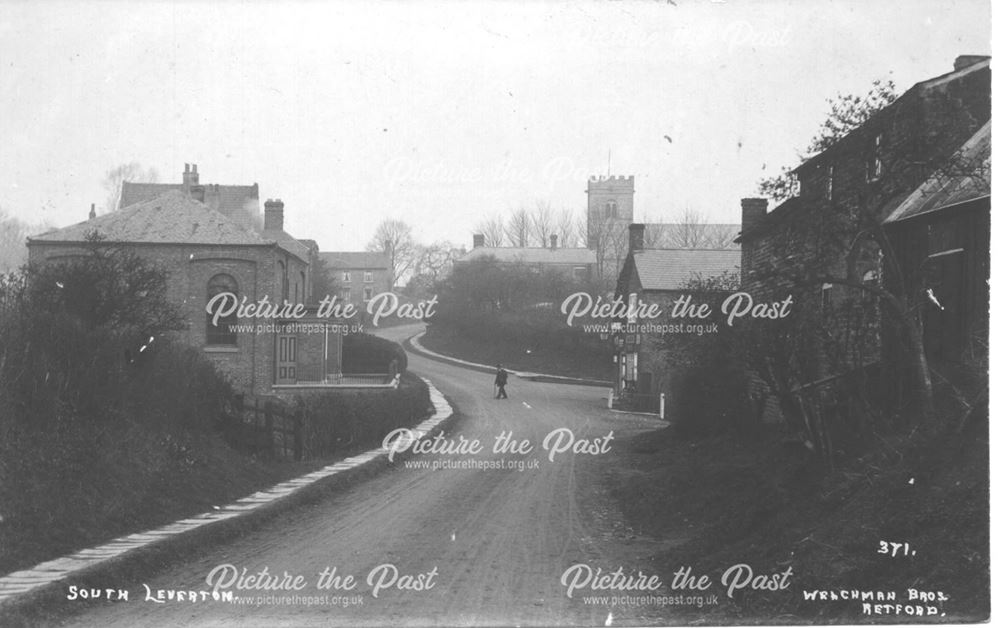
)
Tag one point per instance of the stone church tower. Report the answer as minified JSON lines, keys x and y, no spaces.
{"x":610,"y":211}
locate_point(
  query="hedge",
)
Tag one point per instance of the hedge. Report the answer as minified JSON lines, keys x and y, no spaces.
{"x":342,"y":422}
{"x":365,"y":353}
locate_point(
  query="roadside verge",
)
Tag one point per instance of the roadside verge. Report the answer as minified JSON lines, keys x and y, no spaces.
{"x":130,"y":555}
{"x":413,"y":344}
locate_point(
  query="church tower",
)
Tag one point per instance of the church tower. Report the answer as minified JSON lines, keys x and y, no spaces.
{"x":609,"y":200}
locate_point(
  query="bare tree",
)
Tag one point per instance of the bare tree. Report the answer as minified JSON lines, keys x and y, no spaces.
{"x":132,"y":172}
{"x":566,"y":229}
{"x":542,"y":222}
{"x":518,"y":227}
{"x":493,"y":230}
{"x":395,"y":239}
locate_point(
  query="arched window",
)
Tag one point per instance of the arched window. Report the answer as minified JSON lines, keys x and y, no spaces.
{"x":611,"y":209}
{"x":224,"y":333}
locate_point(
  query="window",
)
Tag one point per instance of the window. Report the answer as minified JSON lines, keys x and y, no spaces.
{"x":223,"y":333}
{"x":345,"y":294}
{"x":874,"y":168}
{"x":346,"y":276}
{"x":302,"y":280}
{"x":826,"y":297}
{"x":830,"y":170}
{"x":368,"y":293}
{"x":611,"y":209}
{"x":369,"y":276}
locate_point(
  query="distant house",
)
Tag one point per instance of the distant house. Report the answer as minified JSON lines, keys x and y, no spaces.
{"x":205,"y":252}
{"x":576,"y":264}
{"x":658,"y":276}
{"x":359,"y":275}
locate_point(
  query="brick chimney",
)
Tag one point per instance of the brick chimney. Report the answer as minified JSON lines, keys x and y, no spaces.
{"x":753,"y":210}
{"x":274,"y":215}
{"x":636,"y":234}
{"x":553,"y":241}
{"x":190,"y":176}
{"x":964,"y":61}
{"x":478,"y":240}
{"x":93,"y":212}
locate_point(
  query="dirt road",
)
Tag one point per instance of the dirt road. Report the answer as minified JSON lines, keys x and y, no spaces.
{"x":488,"y":545}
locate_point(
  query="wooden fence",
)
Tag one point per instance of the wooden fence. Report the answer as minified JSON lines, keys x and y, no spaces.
{"x":266,"y":427}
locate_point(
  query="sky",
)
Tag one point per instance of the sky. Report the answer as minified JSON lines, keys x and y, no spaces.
{"x":444,"y":113}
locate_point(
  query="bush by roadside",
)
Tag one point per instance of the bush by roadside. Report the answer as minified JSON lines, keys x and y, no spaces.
{"x":365,"y":353}
{"x":348,"y":421}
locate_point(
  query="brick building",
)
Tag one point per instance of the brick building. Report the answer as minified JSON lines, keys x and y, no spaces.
{"x":658,"y":276}
{"x":204,"y":253}
{"x":835,"y":235}
{"x":359,"y":275}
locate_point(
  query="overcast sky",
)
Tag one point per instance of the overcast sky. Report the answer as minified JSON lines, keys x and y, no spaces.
{"x":443,"y":113}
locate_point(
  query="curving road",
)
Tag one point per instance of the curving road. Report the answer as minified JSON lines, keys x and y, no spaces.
{"x":497,"y":541}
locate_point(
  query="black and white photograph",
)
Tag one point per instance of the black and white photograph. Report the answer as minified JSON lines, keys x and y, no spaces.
{"x":494,"y":313}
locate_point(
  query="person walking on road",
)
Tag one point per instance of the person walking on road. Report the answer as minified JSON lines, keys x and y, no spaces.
{"x":501,"y":382}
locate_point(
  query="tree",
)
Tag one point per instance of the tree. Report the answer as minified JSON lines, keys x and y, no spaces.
{"x":846,"y":113}
{"x":395,"y":239}
{"x":518,"y":227}
{"x":433,"y":263}
{"x":132,"y":172}
{"x":542,"y":222}
{"x":493,"y":230}
{"x":13,"y":236}
{"x":324,"y":281}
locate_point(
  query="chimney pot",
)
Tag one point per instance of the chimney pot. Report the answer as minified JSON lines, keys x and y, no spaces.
{"x":478,"y":240}
{"x":93,"y":212}
{"x":636,"y":233}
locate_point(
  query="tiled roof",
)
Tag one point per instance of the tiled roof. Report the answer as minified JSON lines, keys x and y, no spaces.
{"x":354,"y":260}
{"x":239,"y":202}
{"x":171,"y":218}
{"x":970,"y":181}
{"x":534,"y":255}
{"x":672,"y":269}
{"x":288,"y":243}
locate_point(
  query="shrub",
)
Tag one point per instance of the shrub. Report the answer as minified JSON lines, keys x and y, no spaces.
{"x":365,"y":353}
{"x":346,"y":421}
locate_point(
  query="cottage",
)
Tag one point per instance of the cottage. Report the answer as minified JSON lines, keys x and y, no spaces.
{"x":661,"y":276}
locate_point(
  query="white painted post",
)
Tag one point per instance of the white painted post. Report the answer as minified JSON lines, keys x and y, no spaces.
{"x":662,"y":404}
{"x":611,"y":397}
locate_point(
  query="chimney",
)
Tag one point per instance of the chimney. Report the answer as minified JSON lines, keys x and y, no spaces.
{"x":93,"y":212}
{"x":190,"y":176}
{"x":478,"y":240}
{"x":274,"y":215}
{"x":553,"y":241}
{"x":964,"y":61}
{"x":636,"y":233}
{"x":753,"y":210}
